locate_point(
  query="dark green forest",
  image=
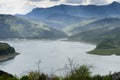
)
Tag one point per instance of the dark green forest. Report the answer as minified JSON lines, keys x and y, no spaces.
{"x":6,"y":49}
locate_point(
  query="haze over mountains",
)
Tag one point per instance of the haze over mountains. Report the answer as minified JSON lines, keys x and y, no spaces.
{"x":65,"y":15}
{"x":74,"y":20}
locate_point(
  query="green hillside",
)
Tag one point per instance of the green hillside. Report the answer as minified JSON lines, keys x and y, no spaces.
{"x":15,"y":27}
{"x":104,"y":32}
{"x":107,"y":47}
{"x":94,"y":24}
{"x":99,"y":30}
{"x":74,"y":29}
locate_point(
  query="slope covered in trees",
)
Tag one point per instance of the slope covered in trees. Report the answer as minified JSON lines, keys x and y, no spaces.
{"x":6,"y":49}
{"x":104,"y":32}
{"x":15,"y":27}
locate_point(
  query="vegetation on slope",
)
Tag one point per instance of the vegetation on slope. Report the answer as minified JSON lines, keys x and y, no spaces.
{"x":7,"y":52}
{"x":107,"y":47}
{"x":62,"y":20}
{"x":104,"y":32}
{"x":74,"y":29}
{"x":15,"y":27}
{"x":96,"y":30}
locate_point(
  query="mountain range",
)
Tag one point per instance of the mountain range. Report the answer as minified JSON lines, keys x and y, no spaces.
{"x":88,"y":23}
{"x":61,"y":16}
{"x":78,"y":11}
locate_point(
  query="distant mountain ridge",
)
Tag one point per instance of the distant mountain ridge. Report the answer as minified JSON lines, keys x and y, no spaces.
{"x":60,"y":16}
{"x":110,"y":10}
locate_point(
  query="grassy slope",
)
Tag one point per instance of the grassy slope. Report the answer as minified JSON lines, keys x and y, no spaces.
{"x":107,"y":47}
{"x":15,"y":27}
{"x":105,"y":52}
{"x":96,"y":28}
{"x":73,"y":29}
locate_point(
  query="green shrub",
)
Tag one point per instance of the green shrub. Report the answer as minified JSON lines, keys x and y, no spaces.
{"x":25,"y":78}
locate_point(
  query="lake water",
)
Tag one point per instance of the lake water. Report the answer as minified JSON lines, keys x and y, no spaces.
{"x":54,"y":55}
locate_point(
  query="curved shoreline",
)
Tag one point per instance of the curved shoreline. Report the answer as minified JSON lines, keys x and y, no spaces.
{"x":8,"y":57}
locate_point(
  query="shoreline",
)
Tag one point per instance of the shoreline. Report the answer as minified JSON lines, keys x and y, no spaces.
{"x":8,"y":57}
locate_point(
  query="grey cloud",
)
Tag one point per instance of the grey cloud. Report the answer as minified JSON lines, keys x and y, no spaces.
{"x":90,"y":1}
{"x":79,"y":1}
{"x":72,"y":1}
{"x":42,"y":0}
{"x":26,"y":6}
{"x":99,"y":2}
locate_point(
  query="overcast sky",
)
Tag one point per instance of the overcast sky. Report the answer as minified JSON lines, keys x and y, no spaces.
{"x":25,"y":6}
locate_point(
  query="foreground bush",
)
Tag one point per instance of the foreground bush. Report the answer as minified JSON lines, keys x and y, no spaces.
{"x":82,"y":73}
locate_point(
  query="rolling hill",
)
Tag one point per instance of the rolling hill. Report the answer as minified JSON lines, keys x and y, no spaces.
{"x":98,"y":30}
{"x":105,"y":33}
{"x":15,"y":27}
{"x":63,"y":19}
{"x":57,"y":20}
{"x":75,"y":28}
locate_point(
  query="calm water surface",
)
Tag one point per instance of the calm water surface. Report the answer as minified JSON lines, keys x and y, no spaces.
{"x":54,"y":55}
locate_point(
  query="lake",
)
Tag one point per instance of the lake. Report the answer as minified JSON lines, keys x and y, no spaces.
{"x":54,"y":55}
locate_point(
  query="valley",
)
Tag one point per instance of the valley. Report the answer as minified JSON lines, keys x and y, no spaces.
{"x":89,"y":34}
{"x":76,"y":25}
{"x":82,"y":23}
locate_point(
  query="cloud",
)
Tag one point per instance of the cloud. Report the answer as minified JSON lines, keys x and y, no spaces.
{"x":14,"y":6}
{"x":54,"y":0}
{"x":35,"y":0}
{"x":102,"y":1}
{"x":46,"y":3}
{"x":42,"y":0}
{"x":25,"y":6}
